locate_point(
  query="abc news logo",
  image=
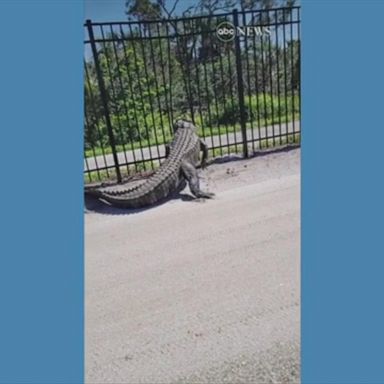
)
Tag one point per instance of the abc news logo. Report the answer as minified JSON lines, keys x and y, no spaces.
{"x":226,"y":31}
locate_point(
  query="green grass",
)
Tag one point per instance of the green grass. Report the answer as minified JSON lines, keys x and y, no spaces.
{"x":145,"y":166}
{"x":208,"y":131}
{"x":126,"y":172}
{"x":290,"y":139}
{"x":232,"y":149}
{"x":264,"y":144}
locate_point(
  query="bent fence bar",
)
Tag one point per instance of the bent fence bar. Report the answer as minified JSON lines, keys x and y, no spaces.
{"x":235,"y":75}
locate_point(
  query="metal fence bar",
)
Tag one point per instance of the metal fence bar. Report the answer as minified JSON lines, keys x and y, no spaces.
{"x":270,"y":64}
{"x":141,"y":94}
{"x":162,"y":68}
{"x":278,"y":77}
{"x":151,"y":108}
{"x":125,"y":107}
{"x":264,"y":82}
{"x":92,"y":124}
{"x":169,"y":74}
{"x":130,"y":86}
{"x":240,"y":86}
{"x":248,"y":72}
{"x":208,"y":103}
{"x":256,"y":74}
{"x":196,"y":74}
{"x":224,"y":95}
{"x":299,"y":56}
{"x":292,"y":70}
{"x":104,"y":98}
{"x":285,"y":71}
{"x":114,"y":94}
{"x":214,"y":87}
{"x":231,"y":91}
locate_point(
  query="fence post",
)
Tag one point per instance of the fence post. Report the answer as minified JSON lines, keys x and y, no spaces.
{"x":104,"y":99}
{"x":240,"y":86}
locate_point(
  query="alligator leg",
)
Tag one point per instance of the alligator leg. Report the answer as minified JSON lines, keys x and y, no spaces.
{"x":182,"y":182}
{"x":167,"y":150}
{"x":204,"y":149}
{"x":190,"y":174}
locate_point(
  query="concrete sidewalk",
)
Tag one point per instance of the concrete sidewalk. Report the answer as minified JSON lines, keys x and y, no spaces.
{"x":200,"y":291}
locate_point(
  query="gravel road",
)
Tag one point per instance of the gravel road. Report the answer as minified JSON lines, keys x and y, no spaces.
{"x":199,"y":291}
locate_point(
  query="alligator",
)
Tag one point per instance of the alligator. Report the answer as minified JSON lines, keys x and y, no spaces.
{"x":179,"y":167}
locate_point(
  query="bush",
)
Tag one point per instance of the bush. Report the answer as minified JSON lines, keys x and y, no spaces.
{"x":257,"y":106}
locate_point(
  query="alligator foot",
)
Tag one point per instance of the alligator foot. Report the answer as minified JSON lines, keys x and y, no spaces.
{"x":202,"y":194}
{"x":190,"y":173}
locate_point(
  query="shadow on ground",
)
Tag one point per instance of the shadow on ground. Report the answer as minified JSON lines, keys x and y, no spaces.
{"x":94,"y":205}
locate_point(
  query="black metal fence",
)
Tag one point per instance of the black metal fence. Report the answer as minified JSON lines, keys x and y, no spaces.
{"x":236,"y":75}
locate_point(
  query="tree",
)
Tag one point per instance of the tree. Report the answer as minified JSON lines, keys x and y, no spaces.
{"x":143,"y":10}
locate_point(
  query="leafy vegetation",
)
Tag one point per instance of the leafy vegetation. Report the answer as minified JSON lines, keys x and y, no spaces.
{"x":156,"y":71}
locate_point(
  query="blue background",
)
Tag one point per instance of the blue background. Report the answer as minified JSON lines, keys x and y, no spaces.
{"x":342,"y":192}
{"x":41,"y":272}
{"x":41,"y":161}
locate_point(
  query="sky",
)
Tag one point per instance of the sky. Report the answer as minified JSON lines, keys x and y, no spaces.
{"x":114,"y":10}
